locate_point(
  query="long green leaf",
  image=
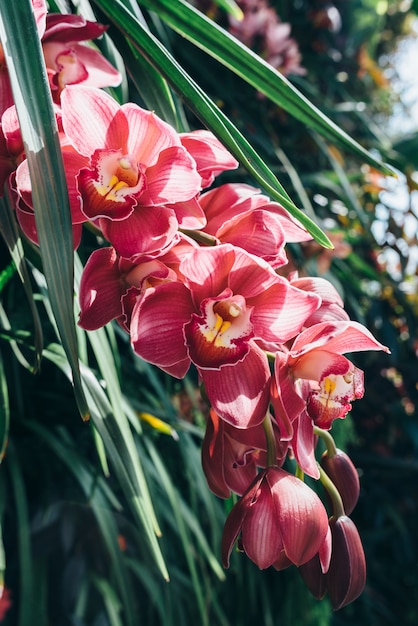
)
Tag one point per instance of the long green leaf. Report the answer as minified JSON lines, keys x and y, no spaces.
{"x":211,"y":116}
{"x":121,"y":453}
{"x":101,"y":498}
{"x":26,"y":595}
{"x":34,"y":107}
{"x":4,"y":411}
{"x":10,"y":233}
{"x":240,"y":59}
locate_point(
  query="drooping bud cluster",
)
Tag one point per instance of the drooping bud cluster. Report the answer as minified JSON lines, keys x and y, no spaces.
{"x":196,"y":274}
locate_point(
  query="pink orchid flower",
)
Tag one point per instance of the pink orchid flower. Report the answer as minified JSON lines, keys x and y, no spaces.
{"x":67,"y":60}
{"x":70,"y":62}
{"x":110,"y":284}
{"x":314,"y":384}
{"x":239,"y":214}
{"x":72,"y":161}
{"x":280,"y":519}
{"x":230,"y":456}
{"x":228,"y":300}
{"x":137,"y":166}
{"x":6,"y":95}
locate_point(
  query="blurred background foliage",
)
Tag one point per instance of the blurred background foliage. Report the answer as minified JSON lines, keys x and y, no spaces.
{"x":72,"y":551}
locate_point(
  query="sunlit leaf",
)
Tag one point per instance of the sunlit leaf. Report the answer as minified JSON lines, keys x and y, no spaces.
{"x":39,"y":130}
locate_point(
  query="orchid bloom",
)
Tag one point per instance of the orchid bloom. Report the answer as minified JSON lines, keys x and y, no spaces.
{"x":110,"y":284}
{"x":241,"y":215}
{"x":314,"y":383}
{"x":72,"y":163}
{"x":227,"y":301}
{"x":67,"y":60}
{"x":70,"y":62}
{"x":230,"y":456}
{"x":136,"y":166}
{"x":281,"y":521}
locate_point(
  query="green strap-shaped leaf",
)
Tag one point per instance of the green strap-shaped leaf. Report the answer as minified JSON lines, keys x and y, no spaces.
{"x":211,"y":116}
{"x":121,"y":452}
{"x":34,"y":107}
{"x":241,"y":60}
{"x":9,"y":230}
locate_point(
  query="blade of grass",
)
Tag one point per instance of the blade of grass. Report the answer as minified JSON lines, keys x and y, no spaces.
{"x":24,"y":59}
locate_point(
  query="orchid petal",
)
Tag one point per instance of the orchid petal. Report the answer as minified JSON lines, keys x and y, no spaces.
{"x":316,"y":364}
{"x":148,"y":134}
{"x":239,"y":393}
{"x":262,"y":542}
{"x":213,"y":456}
{"x":189,"y":214}
{"x":101,"y":289}
{"x":157,"y":324}
{"x":281,"y":310}
{"x":302,"y":516}
{"x":303,"y":445}
{"x":67,"y":27}
{"x":210,"y":155}
{"x":233,"y":524}
{"x":206,"y":270}
{"x":148,"y":230}
{"x":93,"y":120}
{"x":338,"y":337}
{"x":173,"y":178}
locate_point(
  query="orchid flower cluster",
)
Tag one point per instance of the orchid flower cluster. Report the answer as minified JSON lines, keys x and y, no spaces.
{"x":196,"y":273}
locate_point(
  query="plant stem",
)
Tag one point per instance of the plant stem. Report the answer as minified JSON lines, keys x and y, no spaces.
{"x":334,"y":494}
{"x":328,"y":440}
{"x":271,"y":442}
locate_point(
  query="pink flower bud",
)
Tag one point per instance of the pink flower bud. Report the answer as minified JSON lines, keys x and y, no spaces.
{"x":346,"y":576}
{"x":344,"y":475}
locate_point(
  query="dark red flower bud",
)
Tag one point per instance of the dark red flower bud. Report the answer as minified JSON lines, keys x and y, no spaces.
{"x":343,"y":474}
{"x":346,"y":576}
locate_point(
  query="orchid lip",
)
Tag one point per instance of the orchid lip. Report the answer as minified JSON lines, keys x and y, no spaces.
{"x":220,"y":335}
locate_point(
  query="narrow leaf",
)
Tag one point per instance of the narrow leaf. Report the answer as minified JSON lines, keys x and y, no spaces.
{"x":241,"y":60}
{"x":34,"y":107}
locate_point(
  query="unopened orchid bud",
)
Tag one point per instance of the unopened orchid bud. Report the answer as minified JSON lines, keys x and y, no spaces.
{"x":343,"y":474}
{"x":346,"y":576}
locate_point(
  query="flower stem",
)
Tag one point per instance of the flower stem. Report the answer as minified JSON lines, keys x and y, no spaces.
{"x":200,"y":237}
{"x":271,"y":442}
{"x":334,"y":494}
{"x":328,"y":440}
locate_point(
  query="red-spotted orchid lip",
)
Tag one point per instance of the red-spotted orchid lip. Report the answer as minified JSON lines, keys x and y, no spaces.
{"x":333,"y":399}
{"x":111,"y":186}
{"x":220,"y":335}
